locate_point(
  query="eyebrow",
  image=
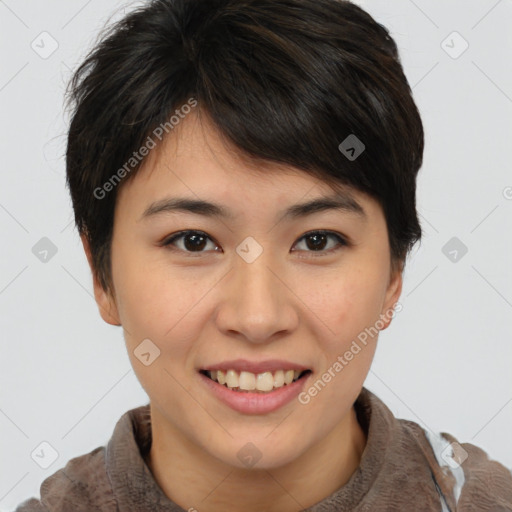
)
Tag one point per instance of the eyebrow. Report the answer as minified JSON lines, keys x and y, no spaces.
{"x":341,"y":201}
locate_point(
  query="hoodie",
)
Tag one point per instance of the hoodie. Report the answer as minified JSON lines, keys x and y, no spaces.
{"x":403,"y":468}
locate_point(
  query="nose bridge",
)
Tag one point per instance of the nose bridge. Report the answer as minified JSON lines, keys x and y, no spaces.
{"x":257,"y":283}
{"x":252,"y":272}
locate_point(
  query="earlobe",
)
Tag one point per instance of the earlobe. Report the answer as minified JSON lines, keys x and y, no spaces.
{"x":106,"y":303}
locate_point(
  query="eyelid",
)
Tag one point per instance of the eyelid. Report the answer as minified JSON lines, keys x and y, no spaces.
{"x":343,"y":241}
{"x":167,"y":241}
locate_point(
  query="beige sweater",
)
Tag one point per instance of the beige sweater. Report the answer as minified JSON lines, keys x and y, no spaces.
{"x":402,"y":468}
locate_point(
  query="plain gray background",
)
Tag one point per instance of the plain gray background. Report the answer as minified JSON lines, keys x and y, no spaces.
{"x":444,"y":362}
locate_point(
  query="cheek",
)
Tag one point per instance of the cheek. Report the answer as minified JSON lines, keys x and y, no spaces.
{"x":345,"y":303}
{"x":152,"y":308}
{"x":164,"y":306}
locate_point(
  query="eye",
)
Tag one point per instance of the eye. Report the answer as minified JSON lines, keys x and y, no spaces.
{"x":189,"y":241}
{"x":196,"y":241}
{"x":316,"y":241}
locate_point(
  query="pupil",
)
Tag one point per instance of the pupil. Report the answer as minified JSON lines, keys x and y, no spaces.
{"x":319,"y":240}
{"x":197,"y":242}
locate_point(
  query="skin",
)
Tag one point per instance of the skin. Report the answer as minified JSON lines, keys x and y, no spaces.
{"x":202,"y":308}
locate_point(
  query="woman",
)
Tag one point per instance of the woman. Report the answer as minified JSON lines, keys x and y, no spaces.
{"x":243,"y":176}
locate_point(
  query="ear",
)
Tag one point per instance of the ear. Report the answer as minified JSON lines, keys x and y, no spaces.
{"x":106,"y":303}
{"x":393,"y":292}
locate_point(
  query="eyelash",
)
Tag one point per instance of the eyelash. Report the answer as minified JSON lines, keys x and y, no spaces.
{"x":168,"y":242}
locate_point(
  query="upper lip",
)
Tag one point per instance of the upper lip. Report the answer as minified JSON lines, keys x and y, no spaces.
{"x":243,"y":365}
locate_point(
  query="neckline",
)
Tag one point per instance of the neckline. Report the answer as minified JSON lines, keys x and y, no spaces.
{"x":134,"y":486}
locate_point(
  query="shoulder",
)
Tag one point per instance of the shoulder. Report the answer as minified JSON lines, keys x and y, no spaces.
{"x":82,"y":485}
{"x":466,"y":477}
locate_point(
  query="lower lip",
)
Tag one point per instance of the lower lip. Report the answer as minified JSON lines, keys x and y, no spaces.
{"x":256,"y":403}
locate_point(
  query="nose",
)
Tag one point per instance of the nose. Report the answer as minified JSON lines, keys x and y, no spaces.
{"x":257,"y":304}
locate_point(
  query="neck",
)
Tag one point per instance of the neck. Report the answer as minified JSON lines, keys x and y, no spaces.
{"x":193,"y":479}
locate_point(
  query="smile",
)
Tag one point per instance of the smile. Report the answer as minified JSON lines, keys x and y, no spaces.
{"x":244,"y":381}
{"x":265,"y":389}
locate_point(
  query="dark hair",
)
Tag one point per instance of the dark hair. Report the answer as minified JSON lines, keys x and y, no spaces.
{"x":285,"y":81}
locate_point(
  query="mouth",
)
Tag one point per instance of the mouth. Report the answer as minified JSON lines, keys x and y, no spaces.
{"x":251,"y":387}
{"x":255,"y":383}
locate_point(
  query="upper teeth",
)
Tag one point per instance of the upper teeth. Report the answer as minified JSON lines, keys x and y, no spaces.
{"x":249,"y":381}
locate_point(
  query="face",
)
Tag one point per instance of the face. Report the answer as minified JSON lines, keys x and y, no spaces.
{"x":259,"y":290}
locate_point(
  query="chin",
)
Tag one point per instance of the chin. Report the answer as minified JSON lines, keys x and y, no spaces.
{"x":258,"y":454}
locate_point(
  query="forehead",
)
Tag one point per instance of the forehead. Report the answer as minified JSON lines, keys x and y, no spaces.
{"x":195,"y":161}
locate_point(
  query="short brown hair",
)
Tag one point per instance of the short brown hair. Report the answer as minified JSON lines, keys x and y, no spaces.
{"x":285,"y":81}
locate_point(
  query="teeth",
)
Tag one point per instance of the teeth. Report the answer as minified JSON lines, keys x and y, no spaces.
{"x":264,"y":381}
{"x":279,"y":379}
{"x":232,"y":379}
{"x":247,"y":381}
